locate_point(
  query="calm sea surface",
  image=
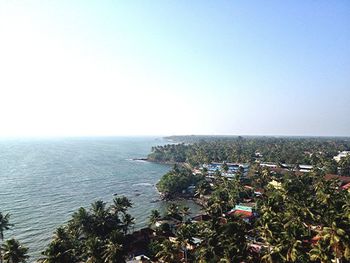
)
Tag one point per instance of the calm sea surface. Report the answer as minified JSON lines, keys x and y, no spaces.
{"x":42,"y":182}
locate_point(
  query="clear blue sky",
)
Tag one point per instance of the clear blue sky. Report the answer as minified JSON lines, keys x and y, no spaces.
{"x":174,"y":67}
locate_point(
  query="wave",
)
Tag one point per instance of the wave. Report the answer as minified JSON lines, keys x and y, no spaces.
{"x":143,"y":184}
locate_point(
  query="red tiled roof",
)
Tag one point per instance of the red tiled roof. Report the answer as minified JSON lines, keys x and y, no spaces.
{"x":316,"y":238}
{"x":343,"y":179}
{"x":241,"y":213}
{"x":346,"y":187}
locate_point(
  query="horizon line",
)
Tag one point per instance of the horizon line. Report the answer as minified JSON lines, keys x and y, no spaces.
{"x":165,"y":136}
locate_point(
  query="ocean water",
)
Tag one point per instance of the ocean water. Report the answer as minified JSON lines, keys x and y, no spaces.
{"x":43,"y":181}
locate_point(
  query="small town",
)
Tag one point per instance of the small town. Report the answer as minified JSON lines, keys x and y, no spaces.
{"x":171,"y":228}
{"x":180,"y":131}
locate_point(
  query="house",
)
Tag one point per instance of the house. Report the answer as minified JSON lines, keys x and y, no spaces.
{"x":168,"y":225}
{"x":287,"y":166}
{"x":212,"y":167}
{"x":258,"y":192}
{"x":258,"y":155}
{"x":342,"y":179}
{"x":268,"y":165}
{"x":244,"y":211}
{"x":232,"y":169}
{"x":341,"y":155}
{"x":195,"y":241}
{"x":283,"y":167}
{"x":137,"y":243}
{"x":304,"y":168}
{"x":346,"y":187}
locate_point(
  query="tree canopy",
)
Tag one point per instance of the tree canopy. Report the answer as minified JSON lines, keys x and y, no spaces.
{"x":197,"y":150}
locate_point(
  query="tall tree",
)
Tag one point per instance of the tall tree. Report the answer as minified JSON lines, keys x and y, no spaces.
{"x":4,"y":224}
{"x":14,"y":252}
{"x":154,"y":217}
{"x":168,"y":252}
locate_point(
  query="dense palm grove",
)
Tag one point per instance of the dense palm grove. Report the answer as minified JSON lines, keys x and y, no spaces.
{"x":197,"y":150}
{"x":95,"y":235}
{"x":305,"y":219}
{"x":177,"y":179}
{"x":298,"y":218}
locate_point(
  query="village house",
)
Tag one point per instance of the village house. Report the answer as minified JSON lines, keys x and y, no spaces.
{"x":341,"y":155}
{"x":232,"y":168}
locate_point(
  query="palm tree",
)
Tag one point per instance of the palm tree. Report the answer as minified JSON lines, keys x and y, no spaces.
{"x":14,"y":252}
{"x":98,"y":209}
{"x":93,"y":236}
{"x":60,"y":250}
{"x":184,"y":236}
{"x":173,"y":211}
{"x":334,"y":238}
{"x":207,"y":252}
{"x":93,"y":250}
{"x":225,"y":167}
{"x":319,"y":254}
{"x":4,"y":224}
{"x":344,"y":164}
{"x":202,"y":189}
{"x":121,"y":204}
{"x":100,"y":217}
{"x":113,"y":252}
{"x":127,"y":221}
{"x":81,"y":221}
{"x":168,"y":252}
{"x":154,"y":217}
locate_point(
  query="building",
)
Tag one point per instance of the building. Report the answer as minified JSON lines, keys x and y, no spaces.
{"x":233,"y":168}
{"x":341,"y":155}
{"x":305,"y":168}
{"x":343,"y":180}
{"x":268,"y":165}
{"x":244,"y":211}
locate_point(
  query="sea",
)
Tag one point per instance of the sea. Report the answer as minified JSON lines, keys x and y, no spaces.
{"x":43,"y":181}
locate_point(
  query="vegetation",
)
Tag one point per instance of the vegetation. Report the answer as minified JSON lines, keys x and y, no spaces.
{"x":177,"y":181}
{"x":306,"y":219}
{"x":344,"y":165}
{"x":94,"y":235}
{"x":301,"y":218}
{"x":197,"y":150}
{"x":14,"y":252}
{"x":298,"y":217}
{"x":11,"y":251}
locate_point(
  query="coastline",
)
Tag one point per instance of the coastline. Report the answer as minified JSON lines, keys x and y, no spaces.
{"x":178,"y":197}
{"x":145,"y":159}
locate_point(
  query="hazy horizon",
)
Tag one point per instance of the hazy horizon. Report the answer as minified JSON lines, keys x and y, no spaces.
{"x":155,"y":136}
{"x":139,"y":68}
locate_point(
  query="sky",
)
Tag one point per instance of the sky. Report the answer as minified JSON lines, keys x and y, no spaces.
{"x":106,"y":68}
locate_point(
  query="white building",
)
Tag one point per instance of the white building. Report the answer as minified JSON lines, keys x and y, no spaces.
{"x":341,"y":155}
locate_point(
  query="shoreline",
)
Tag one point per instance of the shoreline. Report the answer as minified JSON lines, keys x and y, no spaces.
{"x":145,"y":159}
